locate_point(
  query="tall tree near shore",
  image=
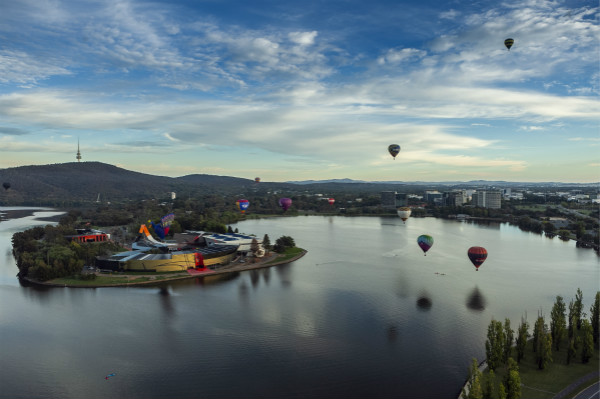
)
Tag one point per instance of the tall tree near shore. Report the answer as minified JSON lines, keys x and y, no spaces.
{"x":488,"y":385}
{"x":513,"y":380}
{"x":521,"y":341}
{"x":595,"y":318}
{"x":587,"y":338}
{"x":494,"y":345}
{"x":558,"y":323}
{"x":266,"y":243}
{"x":475,"y":391}
{"x":508,"y":340}
{"x":542,"y":343}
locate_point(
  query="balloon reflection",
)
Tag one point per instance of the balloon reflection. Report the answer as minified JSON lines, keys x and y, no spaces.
{"x":476,"y":300}
{"x":424,"y":303}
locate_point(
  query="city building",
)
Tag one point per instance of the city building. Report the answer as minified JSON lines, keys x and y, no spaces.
{"x":431,"y":195}
{"x":487,"y":199}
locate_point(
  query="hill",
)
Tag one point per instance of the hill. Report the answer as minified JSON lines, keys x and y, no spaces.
{"x":84,"y":182}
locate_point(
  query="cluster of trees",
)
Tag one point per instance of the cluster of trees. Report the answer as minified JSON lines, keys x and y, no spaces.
{"x":573,"y":328}
{"x":43,"y":253}
{"x":283,"y":243}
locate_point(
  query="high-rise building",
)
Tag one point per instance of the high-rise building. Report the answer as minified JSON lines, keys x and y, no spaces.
{"x":487,"y":199}
{"x":388,"y":199}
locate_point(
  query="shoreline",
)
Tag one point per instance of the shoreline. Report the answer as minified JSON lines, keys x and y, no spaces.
{"x":232,"y":268}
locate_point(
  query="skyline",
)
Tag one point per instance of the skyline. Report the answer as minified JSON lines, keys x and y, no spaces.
{"x":305,"y":91}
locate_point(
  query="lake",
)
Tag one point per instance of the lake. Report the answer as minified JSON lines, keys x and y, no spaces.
{"x":363,"y":315}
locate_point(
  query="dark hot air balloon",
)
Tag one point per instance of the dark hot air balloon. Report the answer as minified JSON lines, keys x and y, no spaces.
{"x":425,"y":242}
{"x":257,"y":179}
{"x":477,"y":256}
{"x":6,"y":185}
{"x":394,"y":150}
{"x":508,"y":43}
{"x":285,"y":203}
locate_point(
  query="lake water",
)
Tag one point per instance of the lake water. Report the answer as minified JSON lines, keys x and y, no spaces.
{"x":362,"y":315}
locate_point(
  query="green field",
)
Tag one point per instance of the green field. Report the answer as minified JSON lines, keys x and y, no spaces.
{"x":105,"y":280}
{"x":545,"y":384}
{"x":289,"y":254}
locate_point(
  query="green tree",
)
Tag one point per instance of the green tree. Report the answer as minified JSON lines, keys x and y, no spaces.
{"x":474,"y":384}
{"x":595,"y":317}
{"x":488,"y":385}
{"x":542,"y":343}
{"x":558,"y":323}
{"x":587,"y":338}
{"x":522,"y":336}
{"x":501,"y":391}
{"x":571,"y":351}
{"x":508,"y":340}
{"x":266,"y":243}
{"x":254,"y":247}
{"x":494,"y":345}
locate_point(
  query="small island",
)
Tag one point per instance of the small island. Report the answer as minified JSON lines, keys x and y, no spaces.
{"x":70,"y":256}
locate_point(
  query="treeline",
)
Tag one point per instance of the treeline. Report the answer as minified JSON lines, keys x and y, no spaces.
{"x":43,"y":253}
{"x":573,"y":330}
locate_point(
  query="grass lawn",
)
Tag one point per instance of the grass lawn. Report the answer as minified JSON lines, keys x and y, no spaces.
{"x":106,"y":280}
{"x":288,"y":254}
{"x":542,"y":384}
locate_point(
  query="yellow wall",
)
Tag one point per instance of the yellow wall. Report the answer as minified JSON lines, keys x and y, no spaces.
{"x":179,"y":262}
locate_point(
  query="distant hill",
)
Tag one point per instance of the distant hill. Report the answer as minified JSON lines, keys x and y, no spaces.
{"x":84,"y":181}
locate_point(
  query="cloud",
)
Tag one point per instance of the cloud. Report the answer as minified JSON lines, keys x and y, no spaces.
{"x":26,"y":70}
{"x":13,"y":131}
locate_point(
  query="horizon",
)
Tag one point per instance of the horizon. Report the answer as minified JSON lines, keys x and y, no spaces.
{"x":310,"y":91}
{"x":332,"y":180}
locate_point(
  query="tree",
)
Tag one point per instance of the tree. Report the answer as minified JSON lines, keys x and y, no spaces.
{"x":501,"y":391}
{"x":254,"y":247}
{"x":266,"y":243}
{"x":558,"y":323}
{"x":542,"y":343}
{"x":522,"y":336}
{"x":571,"y":351}
{"x":587,"y":338}
{"x":508,"y":340}
{"x":488,"y":386}
{"x":494,"y":345}
{"x":282,"y":243}
{"x":512,"y":380}
{"x":578,"y":308}
{"x":475,"y":391}
{"x":595,"y":318}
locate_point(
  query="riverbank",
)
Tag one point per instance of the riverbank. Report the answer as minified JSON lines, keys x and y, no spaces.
{"x":128,"y":280}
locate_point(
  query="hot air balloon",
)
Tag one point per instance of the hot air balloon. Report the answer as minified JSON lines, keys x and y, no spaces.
{"x":285,"y":203}
{"x":162,"y":228}
{"x":6,"y":185}
{"x":243,"y":204}
{"x":425,"y":242}
{"x":257,"y":180}
{"x":404,"y":213}
{"x":331,"y":201}
{"x":394,"y":149}
{"x":508,"y":43}
{"x":477,"y":256}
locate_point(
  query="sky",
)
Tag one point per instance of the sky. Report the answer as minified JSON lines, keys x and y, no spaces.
{"x":298,"y":90}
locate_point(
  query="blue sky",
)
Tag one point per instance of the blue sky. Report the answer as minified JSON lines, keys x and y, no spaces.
{"x":294,"y":90}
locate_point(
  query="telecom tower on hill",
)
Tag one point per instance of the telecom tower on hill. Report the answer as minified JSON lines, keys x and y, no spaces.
{"x":78,"y":152}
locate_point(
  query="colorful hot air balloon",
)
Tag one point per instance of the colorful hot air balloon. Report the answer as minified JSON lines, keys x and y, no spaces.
{"x":394,"y":149}
{"x":508,"y":43}
{"x":285,"y":203}
{"x":477,"y":256}
{"x":331,"y":201}
{"x":243,"y":204}
{"x":425,"y":242}
{"x":404,"y":213}
{"x":257,"y":180}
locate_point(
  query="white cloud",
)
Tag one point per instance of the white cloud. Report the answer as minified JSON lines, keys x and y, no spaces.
{"x":303,"y":38}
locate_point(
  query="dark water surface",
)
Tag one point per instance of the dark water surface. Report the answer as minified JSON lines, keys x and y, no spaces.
{"x":362,"y":315}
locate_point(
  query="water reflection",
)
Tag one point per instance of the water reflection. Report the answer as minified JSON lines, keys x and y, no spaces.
{"x":165,"y":300}
{"x":424,"y":303}
{"x":476,"y":300}
{"x":392,"y":333}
